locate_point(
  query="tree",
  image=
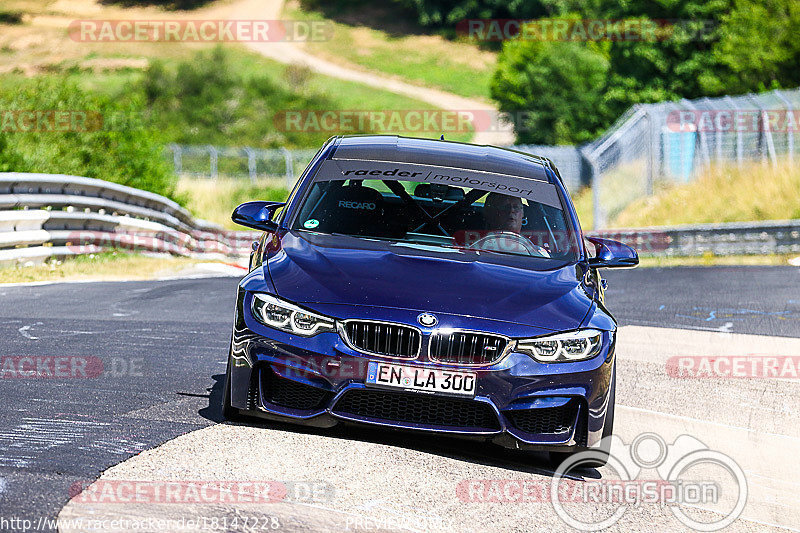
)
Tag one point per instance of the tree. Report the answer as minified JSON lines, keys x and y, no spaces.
{"x":104,"y":139}
{"x":758,"y":48}
{"x":558,"y":85}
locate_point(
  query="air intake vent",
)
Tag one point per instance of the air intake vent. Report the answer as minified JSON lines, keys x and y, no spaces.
{"x":418,"y":409}
{"x":391,"y":340}
{"x":466,"y":348}
{"x":548,"y":420}
{"x":278,"y":390}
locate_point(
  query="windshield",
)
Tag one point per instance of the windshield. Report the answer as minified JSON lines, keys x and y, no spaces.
{"x":408,"y":203}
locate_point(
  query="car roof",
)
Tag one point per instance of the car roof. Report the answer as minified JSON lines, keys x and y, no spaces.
{"x":395,"y":148}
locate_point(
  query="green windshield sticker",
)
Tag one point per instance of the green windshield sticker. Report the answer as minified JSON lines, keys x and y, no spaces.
{"x":311,"y":223}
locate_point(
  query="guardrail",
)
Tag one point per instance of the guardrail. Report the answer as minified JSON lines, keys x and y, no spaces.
{"x":734,"y":238}
{"x":45,"y":215}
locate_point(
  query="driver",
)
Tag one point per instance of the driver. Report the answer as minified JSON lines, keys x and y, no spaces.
{"x":503,"y":212}
{"x":504,"y":215}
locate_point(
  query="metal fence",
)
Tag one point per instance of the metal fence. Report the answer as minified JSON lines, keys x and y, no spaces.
{"x":568,"y":160}
{"x":650,"y":146}
{"x":253,"y":163}
{"x":673,"y":142}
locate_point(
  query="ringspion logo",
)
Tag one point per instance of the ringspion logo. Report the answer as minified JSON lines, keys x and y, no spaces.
{"x":648,"y":471}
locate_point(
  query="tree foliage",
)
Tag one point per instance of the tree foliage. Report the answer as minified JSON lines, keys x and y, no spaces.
{"x":554,"y":91}
{"x":102,"y":138}
{"x":207,"y":100}
{"x":704,"y":48}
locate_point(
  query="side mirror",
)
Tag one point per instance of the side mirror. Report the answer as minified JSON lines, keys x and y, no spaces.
{"x":612,"y":254}
{"x":257,"y":215}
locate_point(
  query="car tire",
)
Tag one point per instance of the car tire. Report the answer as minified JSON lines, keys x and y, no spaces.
{"x":600,"y":454}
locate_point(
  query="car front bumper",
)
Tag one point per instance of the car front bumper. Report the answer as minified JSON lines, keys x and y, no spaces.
{"x":319,"y":381}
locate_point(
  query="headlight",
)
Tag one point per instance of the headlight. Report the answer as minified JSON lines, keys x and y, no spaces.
{"x":562,"y":347}
{"x":286,"y":316}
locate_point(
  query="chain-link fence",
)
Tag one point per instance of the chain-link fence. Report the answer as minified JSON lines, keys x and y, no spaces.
{"x":673,"y":142}
{"x":649,"y":146}
{"x":213,"y":162}
{"x":574,"y":170}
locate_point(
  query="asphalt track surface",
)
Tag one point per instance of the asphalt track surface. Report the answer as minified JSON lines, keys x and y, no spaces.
{"x":163,"y":345}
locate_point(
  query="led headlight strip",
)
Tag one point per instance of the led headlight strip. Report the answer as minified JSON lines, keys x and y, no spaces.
{"x":285,"y":316}
{"x":562,"y":347}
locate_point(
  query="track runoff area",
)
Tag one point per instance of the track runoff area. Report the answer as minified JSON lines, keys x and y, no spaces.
{"x":706,"y":428}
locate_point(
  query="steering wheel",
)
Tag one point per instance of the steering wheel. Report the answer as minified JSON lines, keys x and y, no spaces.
{"x":508,"y":241}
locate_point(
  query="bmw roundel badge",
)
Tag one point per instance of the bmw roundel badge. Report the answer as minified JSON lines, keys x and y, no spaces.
{"x":427,"y":320}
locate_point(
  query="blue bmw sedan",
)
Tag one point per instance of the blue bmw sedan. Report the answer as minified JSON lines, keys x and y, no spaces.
{"x":432,"y":286}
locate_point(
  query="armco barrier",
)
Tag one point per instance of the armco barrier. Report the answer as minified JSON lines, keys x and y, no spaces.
{"x":44,"y":216}
{"x":734,"y":238}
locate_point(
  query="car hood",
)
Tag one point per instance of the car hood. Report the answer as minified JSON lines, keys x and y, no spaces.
{"x":328,"y":269}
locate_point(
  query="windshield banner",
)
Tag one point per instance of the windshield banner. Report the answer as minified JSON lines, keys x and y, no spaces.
{"x":529,"y":188}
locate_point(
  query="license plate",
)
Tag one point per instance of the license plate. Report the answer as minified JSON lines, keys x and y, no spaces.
{"x":422,"y":379}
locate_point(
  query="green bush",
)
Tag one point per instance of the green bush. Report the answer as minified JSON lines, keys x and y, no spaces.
{"x":104,"y":140}
{"x":210,"y":99}
{"x":704,"y":49}
{"x":447,"y":13}
{"x":166,"y":4}
{"x":558,"y":86}
{"x":10,"y":160}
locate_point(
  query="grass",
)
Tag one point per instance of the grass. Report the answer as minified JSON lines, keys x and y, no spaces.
{"x":294,"y":90}
{"x":710,"y":260}
{"x":103,"y":266}
{"x":215,"y":200}
{"x":727,"y":193}
{"x":582,"y":200}
{"x":342,"y":94}
{"x":723,"y":194}
{"x":43,"y":48}
{"x":379,"y":37}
